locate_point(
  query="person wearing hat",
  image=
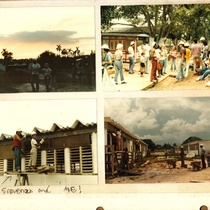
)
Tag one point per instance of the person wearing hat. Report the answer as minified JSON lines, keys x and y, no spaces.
{"x":33,"y":152}
{"x":119,"y":64}
{"x":187,"y":58}
{"x":131,"y":57}
{"x":18,"y":137}
{"x":181,"y":61}
{"x":203,"y":156}
{"x":106,"y":57}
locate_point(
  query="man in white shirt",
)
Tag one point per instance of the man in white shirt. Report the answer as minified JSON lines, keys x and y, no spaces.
{"x":131,"y":57}
{"x":35,"y":68}
{"x":33,"y":152}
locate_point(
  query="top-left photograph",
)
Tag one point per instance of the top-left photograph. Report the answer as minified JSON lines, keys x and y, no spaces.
{"x":47,"y":49}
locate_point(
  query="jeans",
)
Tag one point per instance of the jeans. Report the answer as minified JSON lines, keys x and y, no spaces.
{"x":206,"y":73}
{"x":131,"y":66}
{"x":17,"y":151}
{"x":165,"y":65}
{"x":180,"y":69}
{"x":147,"y":65}
{"x":119,"y":68}
{"x":173,"y":63}
{"x":35,"y":79}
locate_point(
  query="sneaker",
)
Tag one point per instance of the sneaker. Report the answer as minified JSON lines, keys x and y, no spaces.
{"x":198,"y":79}
{"x":123,"y":82}
{"x":116,"y":83}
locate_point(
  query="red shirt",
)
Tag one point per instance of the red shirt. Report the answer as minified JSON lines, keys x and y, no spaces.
{"x":16,"y":142}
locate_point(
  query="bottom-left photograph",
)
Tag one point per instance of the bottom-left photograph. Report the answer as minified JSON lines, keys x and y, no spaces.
{"x":48,"y":142}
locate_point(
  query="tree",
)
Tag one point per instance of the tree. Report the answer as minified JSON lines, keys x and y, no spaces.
{"x":174,"y":21}
{"x":59,"y":48}
{"x":7,"y":56}
{"x":64,"y":52}
{"x":47,"y":57}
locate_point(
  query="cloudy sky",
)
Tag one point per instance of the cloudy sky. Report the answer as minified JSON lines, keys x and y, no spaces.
{"x":29,"y":31}
{"x":43,"y":113}
{"x":164,"y":120}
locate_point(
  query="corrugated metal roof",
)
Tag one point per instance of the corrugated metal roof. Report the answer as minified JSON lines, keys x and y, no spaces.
{"x":52,"y":129}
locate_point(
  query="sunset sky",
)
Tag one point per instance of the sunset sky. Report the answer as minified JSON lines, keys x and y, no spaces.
{"x":29,"y":31}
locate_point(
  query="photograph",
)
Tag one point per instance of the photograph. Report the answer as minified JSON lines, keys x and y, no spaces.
{"x":47,"y":49}
{"x":157,"y":140}
{"x":46,"y":143}
{"x":155,"y":47}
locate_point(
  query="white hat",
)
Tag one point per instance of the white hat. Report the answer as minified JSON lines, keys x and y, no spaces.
{"x":186,"y":44}
{"x":105,"y":46}
{"x":19,"y":129}
{"x":153,"y":44}
{"x":33,"y":133}
{"x":202,"y":38}
{"x":119,"y":46}
{"x":132,"y":43}
{"x":181,"y":42}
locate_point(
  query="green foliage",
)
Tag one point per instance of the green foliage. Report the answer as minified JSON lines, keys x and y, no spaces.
{"x":178,"y":21}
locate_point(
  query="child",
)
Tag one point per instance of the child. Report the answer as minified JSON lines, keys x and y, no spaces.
{"x":142,"y":64}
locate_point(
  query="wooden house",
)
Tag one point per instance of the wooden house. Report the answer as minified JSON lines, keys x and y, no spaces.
{"x":137,"y":148}
{"x":124,"y":36}
{"x":70,"y":151}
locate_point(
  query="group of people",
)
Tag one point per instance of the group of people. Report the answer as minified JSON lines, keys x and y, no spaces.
{"x":182,"y":58}
{"x":17,"y":139}
{"x":36,"y":70}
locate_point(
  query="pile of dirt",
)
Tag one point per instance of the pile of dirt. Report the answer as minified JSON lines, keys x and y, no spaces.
{"x":189,"y":83}
{"x":158,"y":171}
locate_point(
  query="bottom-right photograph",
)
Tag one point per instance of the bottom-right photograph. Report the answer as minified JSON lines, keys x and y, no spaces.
{"x":157,"y":140}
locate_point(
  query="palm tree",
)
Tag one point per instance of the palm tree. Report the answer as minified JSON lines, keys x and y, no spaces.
{"x":64,"y":52}
{"x":7,"y":56}
{"x":59,"y":48}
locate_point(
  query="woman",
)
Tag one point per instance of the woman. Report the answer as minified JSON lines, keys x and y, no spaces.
{"x":119,"y":64}
{"x":154,"y":58}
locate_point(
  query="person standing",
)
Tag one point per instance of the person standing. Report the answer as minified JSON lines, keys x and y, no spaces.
{"x":18,"y":137}
{"x":203,"y":156}
{"x":173,"y":54}
{"x":182,"y":156}
{"x":33,"y":152}
{"x":35,"y":68}
{"x":142,"y":64}
{"x":47,"y":76}
{"x":187,"y":58}
{"x":131,"y":57}
{"x":106,"y":57}
{"x":154,"y":59}
{"x":119,"y":64}
{"x":147,"y":49}
{"x":196,"y":53}
{"x":181,"y":60}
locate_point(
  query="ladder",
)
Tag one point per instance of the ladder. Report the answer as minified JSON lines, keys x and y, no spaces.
{"x":24,"y":179}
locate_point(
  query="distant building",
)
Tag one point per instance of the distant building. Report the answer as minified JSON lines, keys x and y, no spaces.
{"x":194,"y":147}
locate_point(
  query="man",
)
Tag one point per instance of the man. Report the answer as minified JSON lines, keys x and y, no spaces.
{"x":181,"y":60}
{"x":203,"y":155}
{"x":18,"y":137}
{"x":147,"y":50}
{"x":182,"y":156}
{"x":35,"y":67}
{"x":131,"y":57}
{"x":33,"y":152}
{"x":196,"y":53}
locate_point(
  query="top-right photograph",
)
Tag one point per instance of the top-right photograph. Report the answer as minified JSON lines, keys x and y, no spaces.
{"x":155,"y":47}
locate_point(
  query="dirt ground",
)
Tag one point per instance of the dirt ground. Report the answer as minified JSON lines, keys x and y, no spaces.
{"x":158,"y":171}
{"x":189,"y":83}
